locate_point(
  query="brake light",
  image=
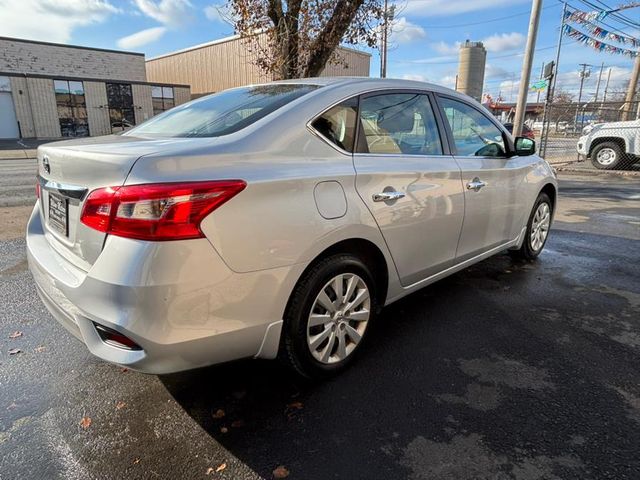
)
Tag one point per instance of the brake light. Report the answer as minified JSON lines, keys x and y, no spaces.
{"x":37,"y":189}
{"x":164,"y":211}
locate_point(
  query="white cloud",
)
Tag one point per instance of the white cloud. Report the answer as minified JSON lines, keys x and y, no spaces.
{"x":219,"y":13}
{"x":49,"y":20}
{"x":494,"y":72}
{"x":141,"y":38}
{"x":500,"y":42}
{"x":416,"y":77}
{"x":403,"y":31}
{"x":444,"y":48}
{"x":433,"y":8}
{"x":172,"y":13}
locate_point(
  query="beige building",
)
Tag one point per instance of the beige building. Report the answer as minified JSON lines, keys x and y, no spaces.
{"x":226,"y":63}
{"x":50,"y":90}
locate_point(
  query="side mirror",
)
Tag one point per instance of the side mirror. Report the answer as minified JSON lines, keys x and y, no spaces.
{"x":525,"y":146}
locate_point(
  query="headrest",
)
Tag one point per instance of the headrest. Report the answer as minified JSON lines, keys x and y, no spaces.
{"x":399,"y":121}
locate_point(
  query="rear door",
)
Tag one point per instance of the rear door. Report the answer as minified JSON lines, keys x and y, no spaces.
{"x":409,"y":181}
{"x":490,"y":178}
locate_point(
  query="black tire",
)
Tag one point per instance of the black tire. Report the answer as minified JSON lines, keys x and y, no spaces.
{"x":526,"y":251}
{"x":603,"y":152}
{"x":294,"y":349}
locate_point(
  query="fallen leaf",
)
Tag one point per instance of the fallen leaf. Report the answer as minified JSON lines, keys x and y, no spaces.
{"x":14,"y":351}
{"x":85,"y":422}
{"x":15,"y":334}
{"x":224,"y":429}
{"x":209,"y":471}
{"x":280,"y":472}
{"x":120,"y":405}
{"x":221,"y":467}
{"x":218,"y":414}
{"x":39,"y":349}
{"x":136,"y":461}
{"x":295,"y":405}
{"x":237,"y":424}
{"x":124,"y":370}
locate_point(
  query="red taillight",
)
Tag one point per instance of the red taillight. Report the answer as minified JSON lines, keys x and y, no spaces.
{"x":165,"y":211}
{"x":37,"y":189}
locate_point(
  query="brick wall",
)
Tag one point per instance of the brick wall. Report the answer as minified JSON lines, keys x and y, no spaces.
{"x":17,"y":56}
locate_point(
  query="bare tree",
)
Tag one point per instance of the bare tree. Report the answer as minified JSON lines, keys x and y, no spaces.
{"x":297,"y":38}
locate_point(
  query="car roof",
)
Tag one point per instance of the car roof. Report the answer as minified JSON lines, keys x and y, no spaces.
{"x":368,"y":82}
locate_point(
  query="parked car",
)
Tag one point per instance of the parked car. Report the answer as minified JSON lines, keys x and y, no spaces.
{"x":611,"y":145}
{"x":276,"y":220}
{"x":526,"y":131}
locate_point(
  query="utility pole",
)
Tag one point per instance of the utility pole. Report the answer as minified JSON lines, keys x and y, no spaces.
{"x":584,"y":73}
{"x":521,"y":106}
{"x":631,"y":91}
{"x":598,"y":84}
{"x":606,"y":86}
{"x":389,"y":13}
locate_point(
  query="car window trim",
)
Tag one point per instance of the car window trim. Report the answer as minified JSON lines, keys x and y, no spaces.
{"x":452,"y":144}
{"x":446,"y":151}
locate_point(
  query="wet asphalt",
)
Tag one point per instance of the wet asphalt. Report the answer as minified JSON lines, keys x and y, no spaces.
{"x":504,"y":370}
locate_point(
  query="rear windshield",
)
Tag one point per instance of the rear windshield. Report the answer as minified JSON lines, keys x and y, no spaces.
{"x":223,"y":113}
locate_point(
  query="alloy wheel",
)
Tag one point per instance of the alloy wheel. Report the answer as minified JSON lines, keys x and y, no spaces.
{"x":540,"y":226}
{"x":338,"y":318}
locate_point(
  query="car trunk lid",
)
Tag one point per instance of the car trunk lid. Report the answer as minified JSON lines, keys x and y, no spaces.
{"x":68,"y":171}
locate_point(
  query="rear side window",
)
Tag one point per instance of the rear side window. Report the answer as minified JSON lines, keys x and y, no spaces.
{"x":399,"y":123}
{"x":223,"y":113}
{"x":338,"y":124}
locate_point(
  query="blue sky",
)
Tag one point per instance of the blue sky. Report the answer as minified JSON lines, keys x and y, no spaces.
{"x":423,"y":43}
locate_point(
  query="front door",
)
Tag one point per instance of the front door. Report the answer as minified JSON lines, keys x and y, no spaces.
{"x":491,"y":180}
{"x":409,"y":182}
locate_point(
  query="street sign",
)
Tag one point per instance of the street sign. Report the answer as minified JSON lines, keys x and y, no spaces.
{"x":549,"y":70}
{"x":540,"y":85}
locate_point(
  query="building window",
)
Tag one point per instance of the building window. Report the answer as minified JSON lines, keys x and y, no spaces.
{"x":120,"y":100}
{"x":72,"y":108}
{"x":162,"y":99}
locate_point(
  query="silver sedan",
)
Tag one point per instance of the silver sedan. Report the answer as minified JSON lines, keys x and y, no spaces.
{"x":276,"y":220}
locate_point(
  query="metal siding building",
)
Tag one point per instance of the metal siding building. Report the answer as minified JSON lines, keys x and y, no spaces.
{"x":50,"y":90}
{"x":226,"y":63}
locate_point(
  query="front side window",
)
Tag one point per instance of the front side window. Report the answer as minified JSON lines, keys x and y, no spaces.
{"x":72,"y":108}
{"x":399,"y":123}
{"x":162,"y":98}
{"x":222,"y":113}
{"x":473,"y":133}
{"x":338,"y":124}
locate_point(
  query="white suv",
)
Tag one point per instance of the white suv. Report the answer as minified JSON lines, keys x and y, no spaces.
{"x":611,"y":145}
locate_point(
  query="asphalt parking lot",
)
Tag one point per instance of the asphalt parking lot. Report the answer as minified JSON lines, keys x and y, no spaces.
{"x":505,"y":370}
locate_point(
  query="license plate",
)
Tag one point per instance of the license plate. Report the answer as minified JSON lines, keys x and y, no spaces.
{"x":59,"y":214}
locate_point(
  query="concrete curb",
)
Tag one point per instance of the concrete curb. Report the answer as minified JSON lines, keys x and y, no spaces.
{"x":17,"y":154}
{"x":595,"y":172}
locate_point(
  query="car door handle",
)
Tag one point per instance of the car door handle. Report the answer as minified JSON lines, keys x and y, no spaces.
{"x":476,"y":184}
{"x":387,"y":196}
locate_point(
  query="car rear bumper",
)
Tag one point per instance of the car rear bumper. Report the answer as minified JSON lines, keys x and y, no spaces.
{"x":177,"y":300}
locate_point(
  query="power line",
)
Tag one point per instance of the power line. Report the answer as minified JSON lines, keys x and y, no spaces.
{"x":491,"y":20}
{"x":619,"y":17}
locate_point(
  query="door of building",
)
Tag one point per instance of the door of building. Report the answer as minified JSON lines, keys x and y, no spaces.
{"x":8,"y":122}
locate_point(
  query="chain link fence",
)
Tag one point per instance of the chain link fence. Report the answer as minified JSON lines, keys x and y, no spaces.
{"x":559,"y":137}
